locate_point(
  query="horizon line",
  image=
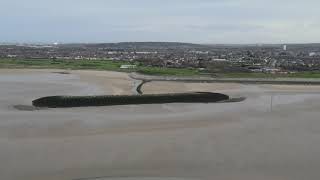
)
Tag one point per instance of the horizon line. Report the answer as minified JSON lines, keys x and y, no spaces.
{"x":181,"y":42}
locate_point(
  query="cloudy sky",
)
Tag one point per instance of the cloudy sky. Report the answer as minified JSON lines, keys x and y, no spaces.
{"x":198,"y":21}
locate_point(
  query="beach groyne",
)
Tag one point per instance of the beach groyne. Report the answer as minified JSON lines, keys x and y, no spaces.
{"x":111,"y":100}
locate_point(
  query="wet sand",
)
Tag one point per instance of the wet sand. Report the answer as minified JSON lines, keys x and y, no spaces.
{"x":249,"y":140}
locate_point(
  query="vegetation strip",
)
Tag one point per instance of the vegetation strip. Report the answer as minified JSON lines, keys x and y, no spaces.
{"x":279,"y":80}
{"x":86,"y":101}
{"x":107,"y":65}
{"x":110,"y":65}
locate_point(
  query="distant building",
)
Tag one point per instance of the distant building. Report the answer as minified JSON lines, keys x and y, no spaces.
{"x":312,"y":54}
{"x":128,"y":66}
{"x":220,"y":60}
{"x":285,"y":47}
{"x":11,"y":56}
{"x":270,"y":70}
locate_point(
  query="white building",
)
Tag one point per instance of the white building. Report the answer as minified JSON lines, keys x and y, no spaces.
{"x":128,"y":66}
{"x":312,"y":54}
{"x":285,"y":47}
{"x":220,"y":60}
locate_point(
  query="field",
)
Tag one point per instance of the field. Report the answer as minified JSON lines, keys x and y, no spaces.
{"x":265,"y":75}
{"x":115,"y":66}
{"x":59,"y":64}
{"x":91,"y":65}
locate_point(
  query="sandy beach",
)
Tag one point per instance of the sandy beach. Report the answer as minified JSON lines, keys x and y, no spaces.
{"x":273,"y":134}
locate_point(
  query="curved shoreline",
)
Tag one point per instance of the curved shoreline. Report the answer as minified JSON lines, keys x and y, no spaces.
{"x":285,"y":81}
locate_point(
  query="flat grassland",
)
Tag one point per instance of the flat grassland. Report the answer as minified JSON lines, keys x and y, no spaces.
{"x":90,"y":65}
{"x":110,"y":65}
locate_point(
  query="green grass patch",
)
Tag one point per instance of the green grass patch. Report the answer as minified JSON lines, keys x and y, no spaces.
{"x":266,"y":75}
{"x":167,"y":71}
{"x":110,"y":65}
{"x":61,"y":64}
{"x":246,"y":75}
{"x":92,"y":64}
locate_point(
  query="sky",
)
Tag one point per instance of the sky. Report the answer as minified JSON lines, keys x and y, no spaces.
{"x":195,"y":21}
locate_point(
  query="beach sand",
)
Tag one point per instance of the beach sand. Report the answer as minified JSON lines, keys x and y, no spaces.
{"x":273,"y":134}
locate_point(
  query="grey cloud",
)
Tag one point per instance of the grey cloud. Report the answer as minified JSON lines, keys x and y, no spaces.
{"x":210,"y":21}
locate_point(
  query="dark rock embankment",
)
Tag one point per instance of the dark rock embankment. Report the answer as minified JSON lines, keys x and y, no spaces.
{"x":110,"y":100}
